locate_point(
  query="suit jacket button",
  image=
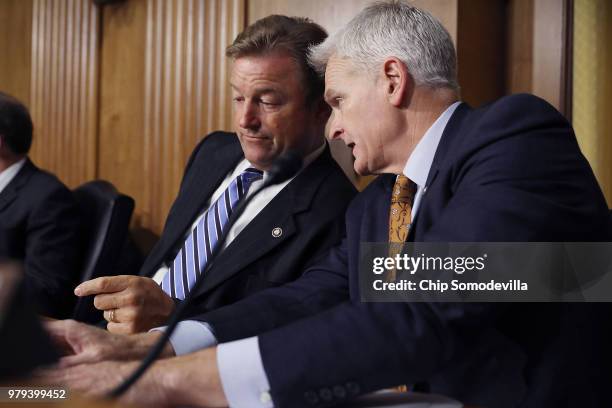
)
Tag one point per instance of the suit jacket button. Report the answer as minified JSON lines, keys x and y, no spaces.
{"x":339,"y":392}
{"x":311,"y":397}
{"x":352,"y":389}
{"x":326,"y":394}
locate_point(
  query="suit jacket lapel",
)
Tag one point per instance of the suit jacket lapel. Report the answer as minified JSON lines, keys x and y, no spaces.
{"x":446,"y":141}
{"x":451,"y":130}
{"x":10,"y":192}
{"x":257,"y":238}
{"x":200,"y":186}
{"x":253,"y":242}
{"x":7,"y":196}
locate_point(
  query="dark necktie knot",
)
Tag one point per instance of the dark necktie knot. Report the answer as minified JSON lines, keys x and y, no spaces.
{"x":246,"y":178}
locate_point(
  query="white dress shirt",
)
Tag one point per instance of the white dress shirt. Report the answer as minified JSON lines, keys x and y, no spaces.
{"x":419,"y":163}
{"x":9,"y":173}
{"x":243,"y":377}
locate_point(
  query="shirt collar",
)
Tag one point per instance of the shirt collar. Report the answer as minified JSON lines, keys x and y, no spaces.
{"x":9,"y":173}
{"x":420,"y":160}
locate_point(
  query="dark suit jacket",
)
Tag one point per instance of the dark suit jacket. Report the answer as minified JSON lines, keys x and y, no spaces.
{"x":510,"y":171}
{"x":309,"y":210}
{"x":39,"y":221}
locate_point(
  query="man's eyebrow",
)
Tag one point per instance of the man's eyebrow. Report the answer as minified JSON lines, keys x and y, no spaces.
{"x":268,"y":91}
{"x":330,"y":93}
{"x":260,"y":91}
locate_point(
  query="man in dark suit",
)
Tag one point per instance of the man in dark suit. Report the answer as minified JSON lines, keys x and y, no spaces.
{"x":510,"y":171}
{"x":278,"y":105}
{"x":39,"y":218}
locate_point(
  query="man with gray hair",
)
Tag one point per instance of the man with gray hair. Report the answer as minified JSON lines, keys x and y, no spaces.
{"x":510,"y":171}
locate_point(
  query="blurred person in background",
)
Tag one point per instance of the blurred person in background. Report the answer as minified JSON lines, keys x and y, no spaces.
{"x":39,"y":217}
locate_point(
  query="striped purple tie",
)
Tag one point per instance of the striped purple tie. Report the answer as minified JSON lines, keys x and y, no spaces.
{"x":200,"y":243}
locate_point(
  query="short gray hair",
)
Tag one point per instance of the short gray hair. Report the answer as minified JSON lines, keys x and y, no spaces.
{"x":397,"y":29}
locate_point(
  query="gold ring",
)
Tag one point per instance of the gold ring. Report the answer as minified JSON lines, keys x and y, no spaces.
{"x":111,"y":317}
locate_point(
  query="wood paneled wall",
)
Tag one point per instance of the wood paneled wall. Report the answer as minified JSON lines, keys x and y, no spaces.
{"x":165,"y":86}
{"x":538,"y":50}
{"x":480,"y":41}
{"x":15,"y":48}
{"x":64,"y":88}
{"x":549,"y":49}
{"x":519,"y":75}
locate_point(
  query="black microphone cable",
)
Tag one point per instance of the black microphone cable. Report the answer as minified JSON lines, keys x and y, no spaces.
{"x":283,"y":168}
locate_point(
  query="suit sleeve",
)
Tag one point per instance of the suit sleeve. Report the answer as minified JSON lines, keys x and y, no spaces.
{"x":52,"y":257}
{"x":322,"y":286}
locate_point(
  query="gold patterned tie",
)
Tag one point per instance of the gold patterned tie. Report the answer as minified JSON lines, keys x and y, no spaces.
{"x":400,"y":214}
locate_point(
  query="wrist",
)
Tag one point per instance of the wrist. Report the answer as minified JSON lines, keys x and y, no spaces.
{"x":193,"y":380}
{"x":142,"y":343}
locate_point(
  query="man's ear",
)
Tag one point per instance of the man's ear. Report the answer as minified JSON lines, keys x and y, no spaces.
{"x":398,"y":81}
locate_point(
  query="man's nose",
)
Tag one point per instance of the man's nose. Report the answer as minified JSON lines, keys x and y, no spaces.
{"x":249,"y":117}
{"x":335,"y":128}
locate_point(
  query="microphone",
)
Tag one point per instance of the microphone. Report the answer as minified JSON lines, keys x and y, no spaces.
{"x":284,"y":167}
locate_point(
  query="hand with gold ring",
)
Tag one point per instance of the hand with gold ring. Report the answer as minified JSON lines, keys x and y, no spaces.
{"x":131,"y":304}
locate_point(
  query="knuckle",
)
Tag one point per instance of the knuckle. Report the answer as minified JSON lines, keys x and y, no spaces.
{"x":97,"y":302}
{"x":103,"y":283}
{"x":129,"y":314}
{"x":132,"y":299}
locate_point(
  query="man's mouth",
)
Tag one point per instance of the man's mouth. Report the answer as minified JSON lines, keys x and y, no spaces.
{"x":259,"y":137}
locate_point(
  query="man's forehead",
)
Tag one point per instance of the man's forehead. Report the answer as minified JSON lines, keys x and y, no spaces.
{"x":336,"y":71}
{"x":271,"y":64}
{"x":339,"y":66}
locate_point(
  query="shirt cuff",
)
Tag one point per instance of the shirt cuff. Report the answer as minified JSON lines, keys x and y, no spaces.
{"x":243,"y":378}
{"x":190,"y":336}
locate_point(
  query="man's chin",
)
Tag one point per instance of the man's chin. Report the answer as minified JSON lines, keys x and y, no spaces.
{"x":361,"y":171}
{"x":260,"y":163}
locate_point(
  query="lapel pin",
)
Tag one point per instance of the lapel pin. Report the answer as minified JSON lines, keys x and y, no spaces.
{"x":277,"y":232}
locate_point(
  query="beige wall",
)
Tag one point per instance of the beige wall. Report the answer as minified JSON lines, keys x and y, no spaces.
{"x":592,"y":88}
